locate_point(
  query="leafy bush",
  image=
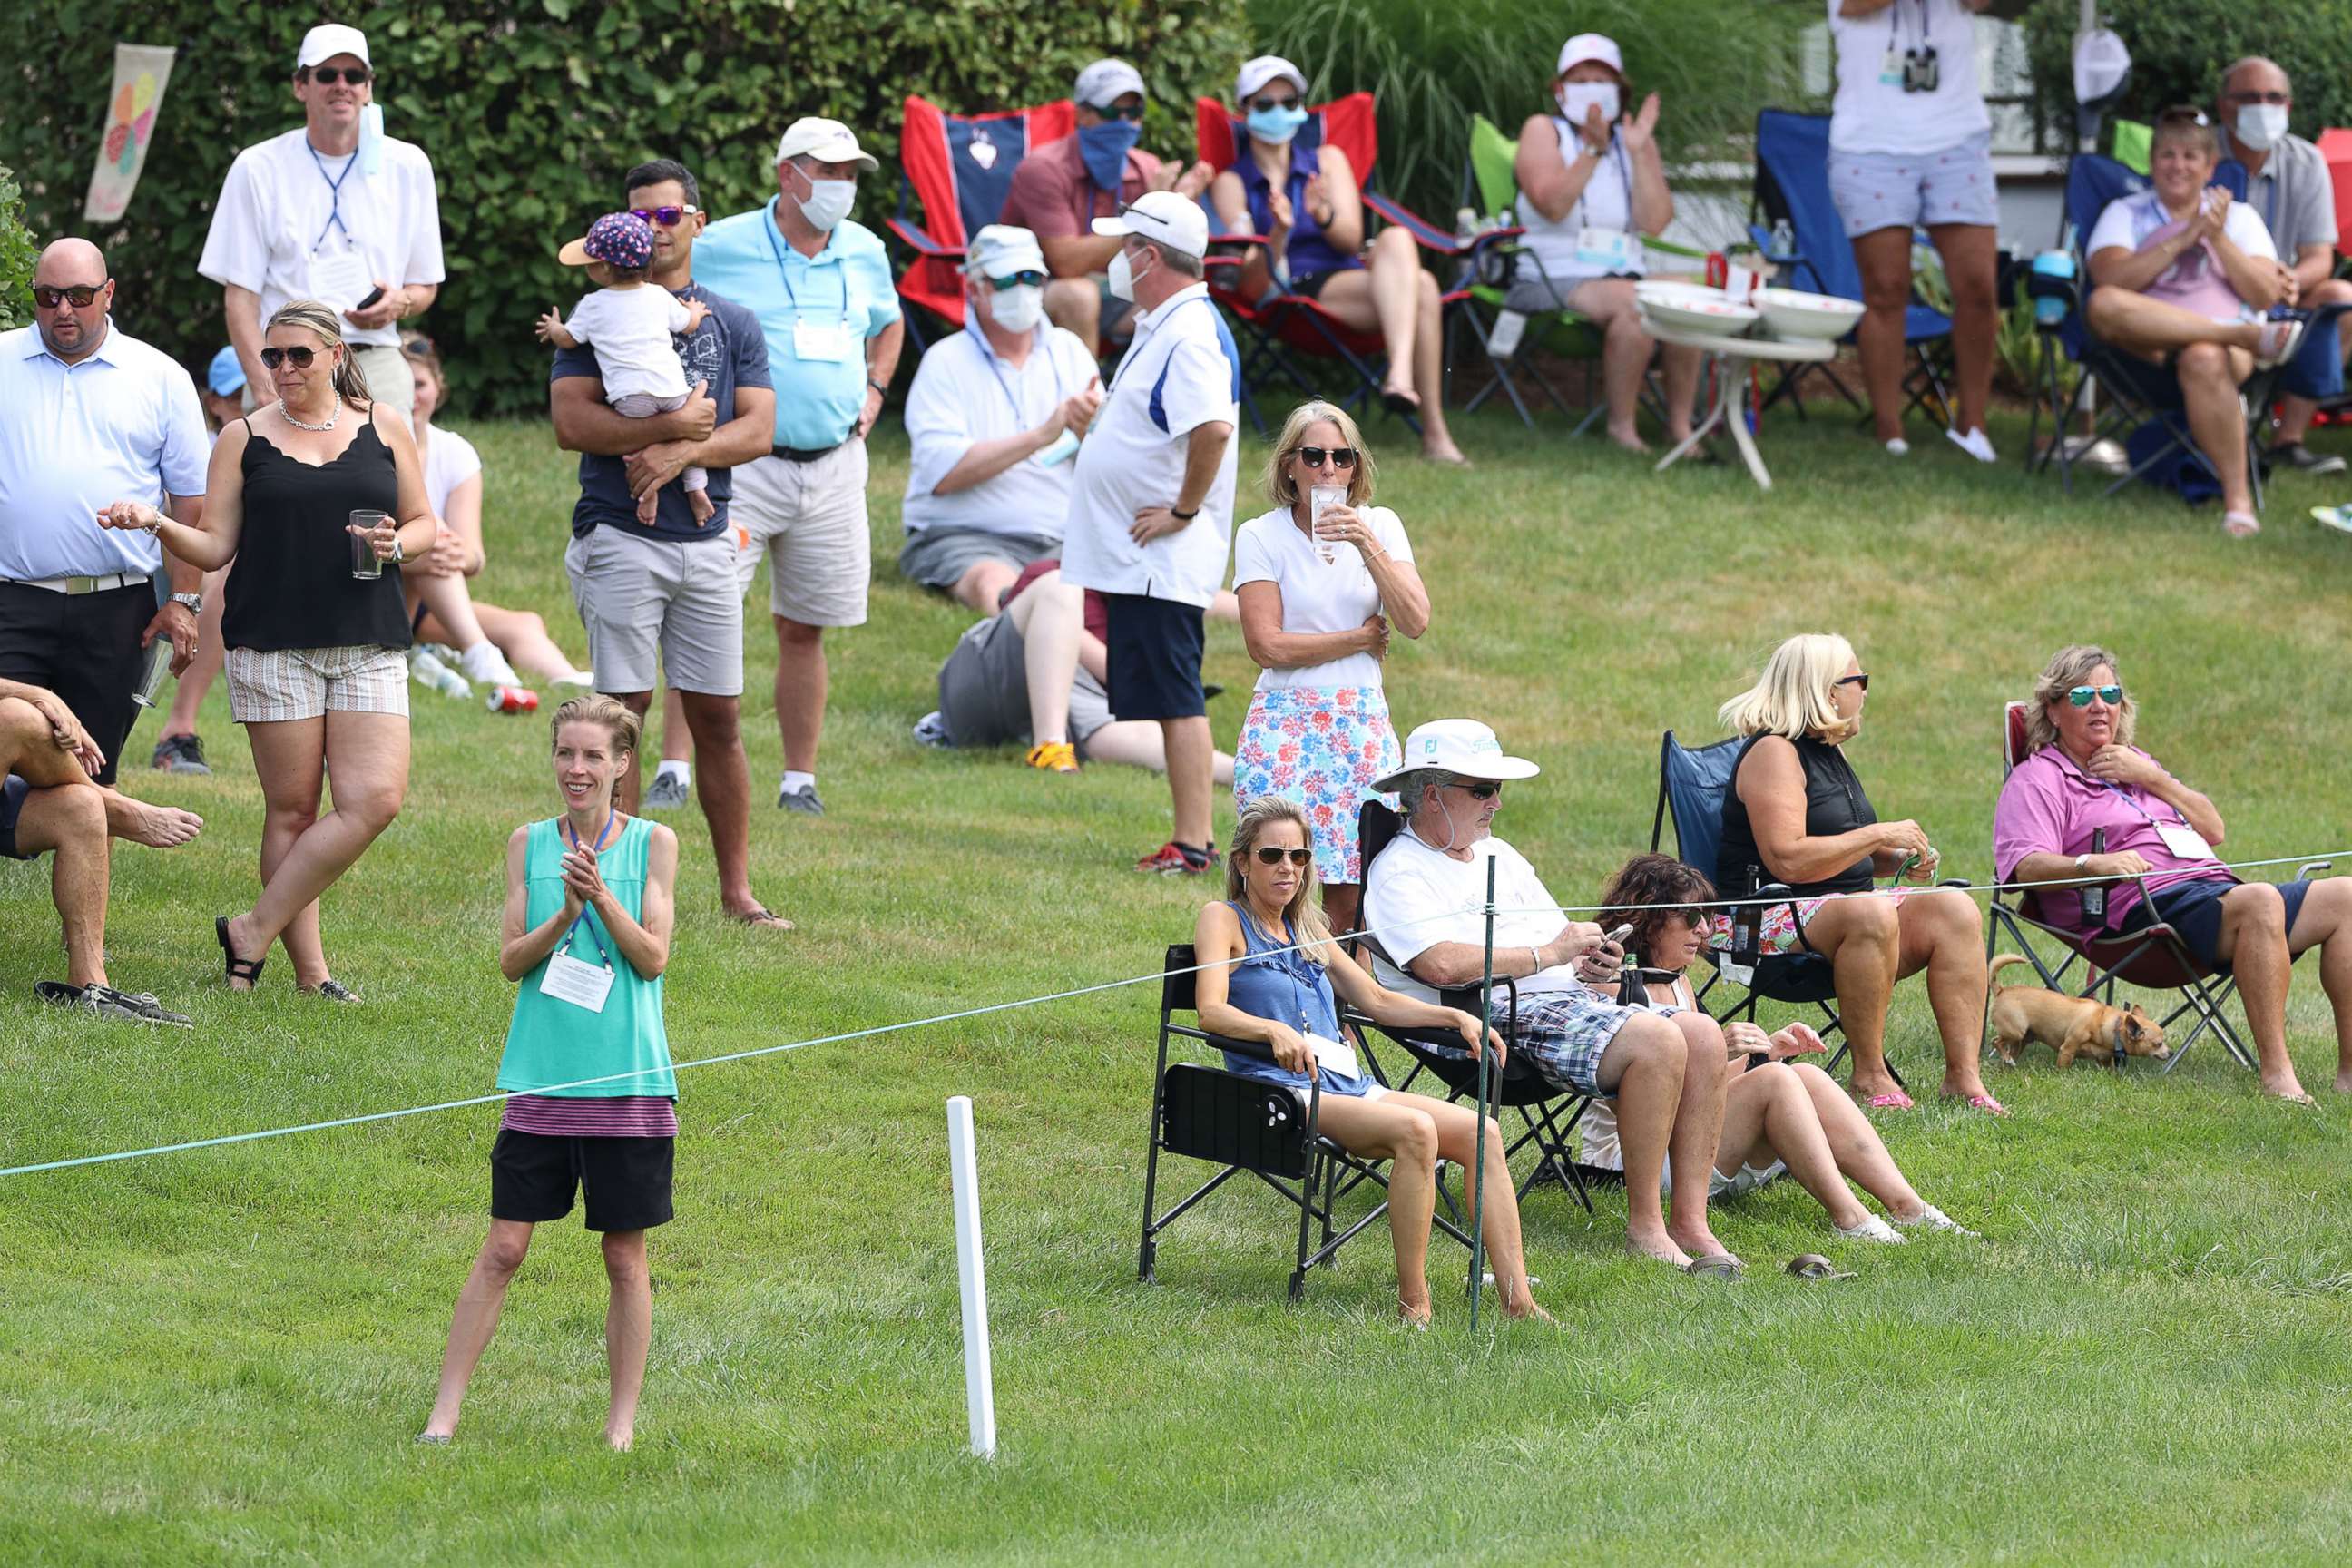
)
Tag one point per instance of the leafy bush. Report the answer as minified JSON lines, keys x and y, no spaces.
{"x":531,"y":109}
{"x":2180,"y":47}
{"x":1433,"y":66}
{"x":17,"y":254}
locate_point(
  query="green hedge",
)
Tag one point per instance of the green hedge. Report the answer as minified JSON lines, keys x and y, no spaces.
{"x":1434,"y":63}
{"x":17,"y":254}
{"x":2179,"y":46}
{"x":531,"y":111}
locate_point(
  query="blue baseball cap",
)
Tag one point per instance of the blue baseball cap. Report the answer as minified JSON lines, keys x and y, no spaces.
{"x":225,"y":376}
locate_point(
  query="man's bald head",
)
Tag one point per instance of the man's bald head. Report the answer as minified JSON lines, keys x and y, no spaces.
{"x":2254,"y":74}
{"x":69,"y":263}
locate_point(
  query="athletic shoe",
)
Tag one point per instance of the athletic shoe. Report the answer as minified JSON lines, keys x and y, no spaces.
{"x":484,"y":665}
{"x":2338,"y":518}
{"x":930,"y":729}
{"x":1055,"y":756}
{"x":1168,"y":860}
{"x":1872,"y":1228}
{"x":1930,"y":1218}
{"x":802,"y":800}
{"x":2297,"y":456}
{"x":1898,"y":448}
{"x":578,"y":681}
{"x":667,"y":793}
{"x":1976,"y":444}
{"x":179,"y":754}
{"x":2278,"y":341}
{"x":105,"y":1002}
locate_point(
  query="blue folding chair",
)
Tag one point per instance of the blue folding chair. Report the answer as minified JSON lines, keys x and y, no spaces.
{"x":1792,"y":182}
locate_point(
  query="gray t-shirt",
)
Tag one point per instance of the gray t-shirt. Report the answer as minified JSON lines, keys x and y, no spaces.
{"x":2295,"y":197}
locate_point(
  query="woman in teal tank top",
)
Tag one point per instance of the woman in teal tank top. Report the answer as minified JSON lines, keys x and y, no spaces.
{"x":592,"y":1106}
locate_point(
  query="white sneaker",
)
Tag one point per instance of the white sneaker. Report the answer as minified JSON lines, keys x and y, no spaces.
{"x":1872,"y":1228}
{"x":578,"y":681}
{"x":1976,"y":444}
{"x":1930,"y":1218}
{"x":484,"y":665}
{"x":1898,"y":448}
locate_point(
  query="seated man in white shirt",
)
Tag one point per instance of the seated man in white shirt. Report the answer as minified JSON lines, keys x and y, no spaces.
{"x":1425,"y":898}
{"x":995,"y":415}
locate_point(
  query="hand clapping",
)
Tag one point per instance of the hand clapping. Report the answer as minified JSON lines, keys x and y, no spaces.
{"x":583,"y":884}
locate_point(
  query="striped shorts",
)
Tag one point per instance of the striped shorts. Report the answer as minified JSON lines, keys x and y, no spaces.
{"x":277,"y":686}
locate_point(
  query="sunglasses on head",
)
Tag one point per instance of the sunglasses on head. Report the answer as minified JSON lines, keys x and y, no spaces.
{"x":1029,"y":279}
{"x":1118,"y":110}
{"x":1339,"y":457}
{"x":1293,"y":102}
{"x":2181,"y":114}
{"x":2081,"y":696}
{"x":81,"y":294}
{"x":1861,"y":680}
{"x":1267,"y":855}
{"x":300,"y":358}
{"x":327,"y":76}
{"x":665,"y":217}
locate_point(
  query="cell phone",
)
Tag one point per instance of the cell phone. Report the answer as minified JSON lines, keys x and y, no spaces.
{"x":1620,"y":934}
{"x":372,"y":295}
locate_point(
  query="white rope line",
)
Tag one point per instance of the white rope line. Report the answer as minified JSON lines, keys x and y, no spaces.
{"x":503,"y":1095}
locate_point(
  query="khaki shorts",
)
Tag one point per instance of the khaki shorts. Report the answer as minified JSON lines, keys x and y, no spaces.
{"x":279,"y":685}
{"x":653,"y":602}
{"x":808,"y":520}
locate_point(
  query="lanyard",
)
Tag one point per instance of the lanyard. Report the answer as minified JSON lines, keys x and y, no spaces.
{"x":1293,"y":960}
{"x":579,"y":920}
{"x":783,"y":271}
{"x":334,"y":198}
{"x":1895,"y":23}
{"x":2120,"y":793}
{"x":1624,"y":172}
{"x":1042,"y":346}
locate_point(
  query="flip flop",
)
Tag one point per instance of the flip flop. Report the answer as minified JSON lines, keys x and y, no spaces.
{"x":1813,"y":1265}
{"x":1715,"y":1266}
{"x":1892,"y":1099}
{"x":330,"y":990}
{"x":1983,"y":1102}
{"x":762,"y":919}
{"x":1397,"y":402}
{"x":2241,"y":524}
{"x":2338,"y":518}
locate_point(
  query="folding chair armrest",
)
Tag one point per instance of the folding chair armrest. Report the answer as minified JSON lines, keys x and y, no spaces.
{"x":912,"y":233}
{"x":2310,"y":868}
{"x":1257,"y":1050}
{"x":1237,"y":237}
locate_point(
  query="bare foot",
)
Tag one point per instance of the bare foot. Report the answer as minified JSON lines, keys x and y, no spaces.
{"x":1442,"y":449}
{"x":1525,"y":1310}
{"x":1413,"y":1317}
{"x":158,"y":826}
{"x":1865,"y":1084}
{"x":1631,"y":440}
{"x":2288,"y":1088}
{"x":620,"y":1442}
{"x":1660,"y":1247}
{"x":1700,"y":1243}
{"x":698,"y":503}
{"x":750,"y":913}
{"x":2344,"y":1081}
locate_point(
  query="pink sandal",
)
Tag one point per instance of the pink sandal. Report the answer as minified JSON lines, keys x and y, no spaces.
{"x":2241,"y":524}
{"x":1985,"y":1103}
{"x":1892,"y":1099}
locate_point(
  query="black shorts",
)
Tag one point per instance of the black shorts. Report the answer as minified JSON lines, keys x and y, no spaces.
{"x":83,"y":646}
{"x":1153,"y":656}
{"x":13,"y":790}
{"x":2194,"y":909}
{"x":627,"y":1180}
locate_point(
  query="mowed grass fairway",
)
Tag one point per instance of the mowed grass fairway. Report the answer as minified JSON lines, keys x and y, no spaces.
{"x":223,"y":1356}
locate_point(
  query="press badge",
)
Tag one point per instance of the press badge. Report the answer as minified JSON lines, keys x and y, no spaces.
{"x":1333,"y":1056}
{"x":2185,"y":842}
{"x":1890,"y":69}
{"x":821,"y":343}
{"x":582,"y":984}
{"x":1609,"y":250}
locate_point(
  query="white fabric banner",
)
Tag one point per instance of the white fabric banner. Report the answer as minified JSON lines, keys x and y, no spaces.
{"x":141,"y":71}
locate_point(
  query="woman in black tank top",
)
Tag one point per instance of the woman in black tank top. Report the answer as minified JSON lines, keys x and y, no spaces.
{"x":315,"y":669}
{"x":1797,"y":815}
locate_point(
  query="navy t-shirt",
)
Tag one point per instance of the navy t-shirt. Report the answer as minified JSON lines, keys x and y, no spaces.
{"x":728,"y":349}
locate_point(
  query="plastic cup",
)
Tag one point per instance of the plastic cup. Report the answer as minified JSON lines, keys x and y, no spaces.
{"x":153,"y":664}
{"x":1320,"y":501}
{"x":366,"y":563}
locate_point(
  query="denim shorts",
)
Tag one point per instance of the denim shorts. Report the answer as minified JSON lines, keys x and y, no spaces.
{"x":1915,"y":190}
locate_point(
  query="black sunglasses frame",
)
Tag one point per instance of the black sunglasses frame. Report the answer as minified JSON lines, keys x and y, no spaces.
{"x":1861,"y":680}
{"x":1114,"y":111}
{"x":1294,"y":101}
{"x":328,"y":76}
{"x":1484,"y":789}
{"x":80,"y":296}
{"x":1342,"y":458}
{"x":272,"y":357}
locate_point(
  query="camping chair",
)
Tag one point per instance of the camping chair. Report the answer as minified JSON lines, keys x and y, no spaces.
{"x":1792,"y":184}
{"x":959,"y":167}
{"x":1548,"y":1114}
{"x":1241,"y":1124}
{"x":2153,"y":958}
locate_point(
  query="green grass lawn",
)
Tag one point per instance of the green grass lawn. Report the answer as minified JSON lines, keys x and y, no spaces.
{"x":222,"y":1356}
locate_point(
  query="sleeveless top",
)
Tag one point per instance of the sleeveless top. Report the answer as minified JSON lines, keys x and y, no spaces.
{"x":1605,"y":202}
{"x":553,"y":1041}
{"x":1834,"y":804}
{"x":1305,"y":252}
{"x":291,"y":586}
{"x":1287,"y":988}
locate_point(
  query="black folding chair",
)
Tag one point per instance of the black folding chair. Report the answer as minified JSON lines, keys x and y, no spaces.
{"x":1267,"y":1130}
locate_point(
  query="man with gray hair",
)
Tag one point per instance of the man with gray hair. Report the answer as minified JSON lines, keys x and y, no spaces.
{"x":1424,"y":905}
{"x":2288,"y":184}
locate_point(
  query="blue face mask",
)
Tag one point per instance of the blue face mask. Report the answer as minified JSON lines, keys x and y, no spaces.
{"x":1104,"y":149}
{"x":1275,"y":126}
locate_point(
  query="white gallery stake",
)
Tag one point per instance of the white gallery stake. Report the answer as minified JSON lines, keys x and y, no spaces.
{"x":978,"y":1387}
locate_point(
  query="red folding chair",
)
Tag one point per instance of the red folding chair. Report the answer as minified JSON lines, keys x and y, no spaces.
{"x":960,"y":168}
{"x":2153,"y":958}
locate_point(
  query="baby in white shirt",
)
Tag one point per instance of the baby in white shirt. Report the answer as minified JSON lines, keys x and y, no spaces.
{"x":629,"y":321}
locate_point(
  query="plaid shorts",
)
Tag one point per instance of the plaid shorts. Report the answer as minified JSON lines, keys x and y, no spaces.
{"x":275,"y":686}
{"x":1564,"y":1033}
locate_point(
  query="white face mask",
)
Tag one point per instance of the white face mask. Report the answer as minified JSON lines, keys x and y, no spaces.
{"x":1018,"y":309}
{"x":2262,"y":126}
{"x":1122,"y":277}
{"x":828,"y":202}
{"x":1577,"y":99}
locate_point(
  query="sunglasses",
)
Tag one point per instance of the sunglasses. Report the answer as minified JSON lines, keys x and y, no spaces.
{"x":417,"y":348}
{"x":2281,"y":98}
{"x":2081,"y":696}
{"x":81,"y":294}
{"x":1118,"y":111}
{"x":301,"y":358}
{"x":1484,"y":790}
{"x":1293,"y":102}
{"x":1028,"y":280}
{"x":2181,"y":114}
{"x":327,"y":76}
{"x":1338,"y":456}
{"x":1267,"y":855}
{"x":1861,"y":680}
{"x":667,"y":217}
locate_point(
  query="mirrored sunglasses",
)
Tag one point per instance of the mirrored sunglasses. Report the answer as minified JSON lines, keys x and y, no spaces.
{"x":272,"y":358}
{"x":81,"y":294}
{"x":665,"y":217}
{"x":1029,"y":279}
{"x":2079,"y":696}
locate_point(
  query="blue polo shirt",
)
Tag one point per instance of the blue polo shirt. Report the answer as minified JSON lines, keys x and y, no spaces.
{"x":120,"y":424}
{"x":847,"y":284}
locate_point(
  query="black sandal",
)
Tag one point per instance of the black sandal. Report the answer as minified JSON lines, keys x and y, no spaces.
{"x":330,"y":990}
{"x":245,"y":968}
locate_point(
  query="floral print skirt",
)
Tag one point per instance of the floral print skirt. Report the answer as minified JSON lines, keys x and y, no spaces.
{"x":1322,"y":747}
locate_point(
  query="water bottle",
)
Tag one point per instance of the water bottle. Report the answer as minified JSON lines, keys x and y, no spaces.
{"x":513,"y":699}
{"x":2050,"y":284}
{"x":2094,"y":897}
{"x":1784,"y":241}
{"x":1466,"y":226}
{"x":428,"y":671}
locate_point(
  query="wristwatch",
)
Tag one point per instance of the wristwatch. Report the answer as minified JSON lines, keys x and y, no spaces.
{"x":195,"y":603}
{"x":399,"y":556}
{"x":882,"y":387}
{"x":2081,"y":862}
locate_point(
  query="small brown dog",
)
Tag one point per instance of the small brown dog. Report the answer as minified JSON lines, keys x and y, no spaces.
{"x":2075,"y":1025}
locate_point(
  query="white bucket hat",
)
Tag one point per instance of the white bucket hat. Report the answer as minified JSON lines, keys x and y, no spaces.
{"x":1463,"y":747}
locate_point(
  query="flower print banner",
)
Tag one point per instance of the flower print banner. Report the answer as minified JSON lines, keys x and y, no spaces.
{"x":141,"y":71}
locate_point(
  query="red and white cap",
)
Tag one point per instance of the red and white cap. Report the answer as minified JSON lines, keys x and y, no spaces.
{"x":1590,"y":46}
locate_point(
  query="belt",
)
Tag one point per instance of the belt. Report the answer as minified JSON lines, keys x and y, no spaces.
{"x":806,"y":454}
{"x":78,"y":585}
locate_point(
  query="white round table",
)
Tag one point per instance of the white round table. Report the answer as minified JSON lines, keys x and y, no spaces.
{"x":1731,"y":356}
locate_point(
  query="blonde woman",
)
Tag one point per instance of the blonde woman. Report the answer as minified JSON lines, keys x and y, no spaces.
{"x":1319,"y":600}
{"x":315,"y":669}
{"x":1796,"y":815}
{"x":1273,"y":974}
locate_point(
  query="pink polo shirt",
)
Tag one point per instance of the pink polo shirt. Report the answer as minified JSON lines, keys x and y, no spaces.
{"x":1053,"y":197}
{"x":2050,"y":806}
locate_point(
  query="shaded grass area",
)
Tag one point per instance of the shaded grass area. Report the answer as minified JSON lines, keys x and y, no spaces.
{"x":222,"y":1356}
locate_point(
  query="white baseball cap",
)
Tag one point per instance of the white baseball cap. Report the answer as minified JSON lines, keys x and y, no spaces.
{"x":328,"y":39}
{"x":1263,"y":69}
{"x":1590,"y":46}
{"x":829,"y":140}
{"x":1000,"y":250}
{"x":1463,"y":747}
{"x":1165,"y":217}
{"x":1105,"y":82}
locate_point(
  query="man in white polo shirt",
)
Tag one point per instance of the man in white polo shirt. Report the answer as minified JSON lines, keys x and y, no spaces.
{"x":995,"y":415}
{"x":332,"y":210}
{"x":1152,"y":515}
{"x":90,"y":416}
